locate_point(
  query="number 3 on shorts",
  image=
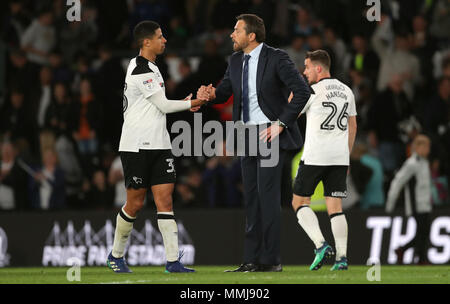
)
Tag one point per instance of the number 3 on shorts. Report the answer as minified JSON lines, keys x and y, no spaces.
{"x":171,"y":166}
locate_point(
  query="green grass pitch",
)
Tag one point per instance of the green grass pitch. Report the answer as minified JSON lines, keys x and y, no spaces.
{"x":215,"y":275}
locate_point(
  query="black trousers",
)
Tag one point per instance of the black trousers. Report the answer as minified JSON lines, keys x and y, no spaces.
{"x":262,"y":196}
{"x":420,"y":241}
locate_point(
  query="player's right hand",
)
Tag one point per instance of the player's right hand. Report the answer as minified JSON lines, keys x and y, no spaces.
{"x":206,"y":92}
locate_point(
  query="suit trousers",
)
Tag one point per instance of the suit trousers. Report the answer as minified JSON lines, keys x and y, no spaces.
{"x":262,"y":196}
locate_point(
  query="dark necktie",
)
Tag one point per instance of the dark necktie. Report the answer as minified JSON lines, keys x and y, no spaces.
{"x":245,"y":101}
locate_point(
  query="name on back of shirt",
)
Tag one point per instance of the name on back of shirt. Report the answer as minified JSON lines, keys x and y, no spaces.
{"x":335,"y":88}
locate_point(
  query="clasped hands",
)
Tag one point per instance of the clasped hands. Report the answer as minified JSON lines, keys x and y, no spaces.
{"x":206,"y":93}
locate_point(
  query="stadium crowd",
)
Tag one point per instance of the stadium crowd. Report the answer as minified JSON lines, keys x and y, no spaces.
{"x":61,"y":90}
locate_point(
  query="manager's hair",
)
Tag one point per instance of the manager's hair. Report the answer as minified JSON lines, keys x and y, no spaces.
{"x":254,"y":24}
{"x":321,"y":57}
{"x":144,"y":30}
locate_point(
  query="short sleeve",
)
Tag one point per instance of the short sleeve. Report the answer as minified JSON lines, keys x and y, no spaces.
{"x":147,"y":83}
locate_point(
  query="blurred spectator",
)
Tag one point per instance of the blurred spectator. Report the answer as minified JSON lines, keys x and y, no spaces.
{"x":189,"y":82}
{"x":12,"y":180}
{"x":47,"y":187}
{"x":116,"y":179}
{"x":82,"y":70}
{"x":108,"y":89}
{"x":47,"y":141}
{"x":395,"y":57}
{"x":441,"y":63}
{"x":437,"y":110}
{"x":100,"y":195}
{"x":78,"y":37}
{"x":373,"y":194}
{"x":359,"y":176}
{"x":303,"y":23}
{"x":297,"y":52}
{"x":415,"y":176}
{"x":439,"y":184}
{"x":14,"y":24}
{"x":212,"y":65}
{"x":363,"y":92}
{"x":440,"y":27}
{"x":363,"y":59}
{"x":315,"y":42}
{"x":280,"y":29}
{"x":85,"y":116}
{"x":423,"y":46}
{"x":339,"y":48}
{"x":389,"y":109}
{"x":61,"y":72}
{"x":22,"y":73}
{"x":177,"y":34}
{"x":42,"y":97}
{"x":14,"y":122}
{"x":39,"y":38}
{"x":58,"y":113}
{"x":70,"y":165}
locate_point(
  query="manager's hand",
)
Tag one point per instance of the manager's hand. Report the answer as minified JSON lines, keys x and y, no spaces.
{"x":271,"y":132}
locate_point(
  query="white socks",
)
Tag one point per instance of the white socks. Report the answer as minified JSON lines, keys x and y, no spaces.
{"x":309,"y":222}
{"x":169,"y":231}
{"x":166,"y":224}
{"x":340,"y":229}
{"x":124,"y":225}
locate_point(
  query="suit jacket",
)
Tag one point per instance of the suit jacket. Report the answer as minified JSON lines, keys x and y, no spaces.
{"x":276,"y":77}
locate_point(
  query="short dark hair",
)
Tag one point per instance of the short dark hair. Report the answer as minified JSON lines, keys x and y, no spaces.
{"x":144,"y":30}
{"x":254,"y":24}
{"x":320,"y":56}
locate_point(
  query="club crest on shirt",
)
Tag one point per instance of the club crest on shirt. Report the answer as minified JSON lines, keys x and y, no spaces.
{"x":148,"y":84}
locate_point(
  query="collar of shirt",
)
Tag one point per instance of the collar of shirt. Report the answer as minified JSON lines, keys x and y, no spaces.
{"x":254,"y":54}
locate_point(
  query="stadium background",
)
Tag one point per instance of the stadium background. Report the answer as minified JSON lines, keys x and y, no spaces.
{"x":61,"y":86}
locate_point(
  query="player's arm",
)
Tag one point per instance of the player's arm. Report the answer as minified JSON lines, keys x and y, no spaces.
{"x":170,"y":106}
{"x":397,"y":184}
{"x":352,"y":128}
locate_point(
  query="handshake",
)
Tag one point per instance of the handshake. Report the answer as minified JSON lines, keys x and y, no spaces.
{"x":204,"y":93}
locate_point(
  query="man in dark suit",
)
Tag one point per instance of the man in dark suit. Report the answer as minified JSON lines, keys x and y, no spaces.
{"x":261,"y":78}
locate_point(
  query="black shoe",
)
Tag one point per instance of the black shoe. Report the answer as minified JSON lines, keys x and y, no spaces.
{"x":271,"y":268}
{"x":246,"y":267}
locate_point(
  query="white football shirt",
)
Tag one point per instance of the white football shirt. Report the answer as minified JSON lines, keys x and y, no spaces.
{"x":327,"y":112}
{"x":144,"y":125}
